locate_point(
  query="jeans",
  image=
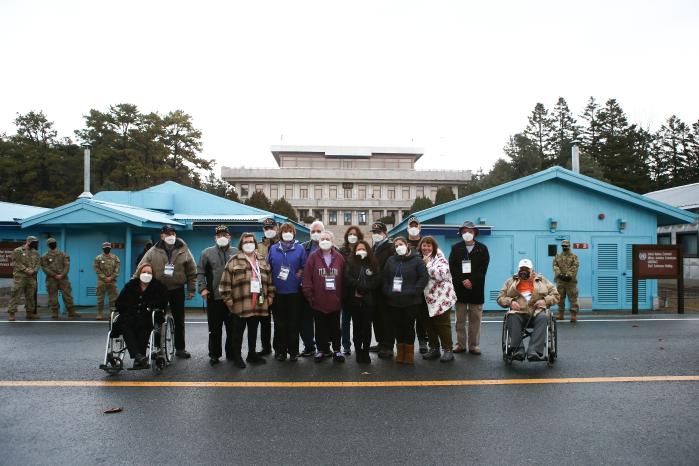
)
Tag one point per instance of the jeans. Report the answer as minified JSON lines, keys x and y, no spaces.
{"x":218,"y":316}
{"x":175,"y":299}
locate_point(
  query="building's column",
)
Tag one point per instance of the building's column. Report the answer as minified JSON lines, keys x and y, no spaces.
{"x":127,"y":255}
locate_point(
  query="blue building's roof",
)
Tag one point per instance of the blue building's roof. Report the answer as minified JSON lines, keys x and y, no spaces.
{"x":12,"y":213}
{"x":666,"y":214}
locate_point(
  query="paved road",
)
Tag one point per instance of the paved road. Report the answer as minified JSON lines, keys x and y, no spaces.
{"x":645,"y":422}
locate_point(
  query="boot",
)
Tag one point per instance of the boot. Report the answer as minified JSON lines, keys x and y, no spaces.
{"x":11,"y":317}
{"x":54,"y":314}
{"x":400,"y":353}
{"x":409,"y":354}
{"x":560,"y":314}
{"x":72,"y":313}
{"x":573,"y":317}
{"x":365,"y":357}
{"x":33,"y":316}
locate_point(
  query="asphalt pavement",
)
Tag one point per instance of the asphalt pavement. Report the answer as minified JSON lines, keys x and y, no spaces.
{"x":578,"y":412}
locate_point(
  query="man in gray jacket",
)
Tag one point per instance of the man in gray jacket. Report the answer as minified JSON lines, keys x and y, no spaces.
{"x":211,"y":264}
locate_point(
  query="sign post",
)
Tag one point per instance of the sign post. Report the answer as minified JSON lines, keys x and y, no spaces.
{"x":654,"y":261}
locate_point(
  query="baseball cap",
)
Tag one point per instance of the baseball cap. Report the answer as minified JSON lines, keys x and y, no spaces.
{"x":167,"y":229}
{"x":565,"y":243}
{"x":106,"y":244}
{"x":378,"y":226}
{"x":269,"y":223}
{"x":525,"y":263}
{"x":50,"y":240}
{"x":222,"y":229}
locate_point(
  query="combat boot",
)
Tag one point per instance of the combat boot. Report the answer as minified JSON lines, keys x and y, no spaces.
{"x":11,"y":317}
{"x":560,"y":314}
{"x":33,"y":316}
{"x":573,"y":317}
{"x":408,"y":354}
{"x":54,"y":314}
{"x":400,"y":353}
{"x":73,"y":313}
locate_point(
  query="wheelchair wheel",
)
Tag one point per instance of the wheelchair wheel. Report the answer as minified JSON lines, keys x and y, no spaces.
{"x":552,"y":341}
{"x":169,"y":340}
{"x":506,"y":356}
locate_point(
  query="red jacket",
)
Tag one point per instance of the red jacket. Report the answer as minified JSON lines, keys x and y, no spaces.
{"x":314,"y":281}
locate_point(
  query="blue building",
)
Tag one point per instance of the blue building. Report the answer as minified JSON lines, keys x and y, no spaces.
{"x":531,"y":216}
{"x":129,"y":219}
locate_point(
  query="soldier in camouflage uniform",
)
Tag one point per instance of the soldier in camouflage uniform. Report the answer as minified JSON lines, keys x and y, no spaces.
{"x":565,"y":269}
{"x":56,"y":265}
{"x":25,"y":260}
{"x":107,"y":267}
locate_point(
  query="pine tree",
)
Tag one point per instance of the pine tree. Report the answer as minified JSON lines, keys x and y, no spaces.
{"x":673,"y":152}
{"x":444,"y":195}
{"x":420,"y":203}
{"x":693,"y":154}
{"x":282,"y":207}
{"x":589,"y":133}
{"x":524,"y":155}
{"x":539,"y":132}
{"x":564,"y":130}
{"x":259,"y":200}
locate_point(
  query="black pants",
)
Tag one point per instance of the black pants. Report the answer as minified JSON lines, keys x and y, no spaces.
{"x":175,"y":298}
{"x":136,"y":330}
{"x":404,"y":323}
{"x":421,"y":323}
{"x":286,"y":317}
{"x":218,"y":316}
{"x":327,"y":330}
{"x":266,"y":332}
{"x":361,"y":320}
{"x":305,"y":324}
{"x":239,"y":324}
{"x":384,"y":329}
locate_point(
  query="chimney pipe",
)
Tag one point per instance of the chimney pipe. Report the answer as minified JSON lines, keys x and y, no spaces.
{"x":576,"y":157}
{"x":86,"y":194}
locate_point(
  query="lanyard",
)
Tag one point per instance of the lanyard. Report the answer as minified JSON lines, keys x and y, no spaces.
{"x":399,"y":272}
{"x":255,"y":267}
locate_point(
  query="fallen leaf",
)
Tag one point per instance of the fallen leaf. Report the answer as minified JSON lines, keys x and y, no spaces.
{"x":662,"y":347}
{"x":113,"y":410}
{"x":634,"y":325}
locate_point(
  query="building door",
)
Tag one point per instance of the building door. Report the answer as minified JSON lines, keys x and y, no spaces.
{"x":612,"y":274}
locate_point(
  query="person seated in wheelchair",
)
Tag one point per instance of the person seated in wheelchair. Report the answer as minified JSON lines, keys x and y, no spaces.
{"x":139,"y":297}
{"x":528,"y":295}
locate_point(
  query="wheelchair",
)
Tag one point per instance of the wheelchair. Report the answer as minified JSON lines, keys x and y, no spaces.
{"x":160,"y":349}
{"x":550,"y":348}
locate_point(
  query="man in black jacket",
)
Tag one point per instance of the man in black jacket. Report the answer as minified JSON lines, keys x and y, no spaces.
{"x":468,"y":263}
{"x":383,"y":326}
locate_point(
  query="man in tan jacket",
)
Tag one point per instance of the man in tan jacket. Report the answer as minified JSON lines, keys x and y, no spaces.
{"x":174,"y":266}
{"x":527,"y":294}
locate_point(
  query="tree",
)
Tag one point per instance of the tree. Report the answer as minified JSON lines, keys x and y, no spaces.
{"x":525,"y":158}
{"x":388,"y":220}
{"x":589,"y":133}
{"x":420,"y":203}
{"x":444,"y":195}
{"x":282,"y":207}
{"x":564,"y":130}
{"x":259,"y":200}
{"x":539,"y":131}
{"x":672,"y":153}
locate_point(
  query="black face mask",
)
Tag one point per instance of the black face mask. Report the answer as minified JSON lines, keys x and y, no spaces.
{"x":52,"y":245}
{"x":524,"y":274}
{"x":566,"y":249}
{"x":34,"y":245}
{"x":106,"y":250}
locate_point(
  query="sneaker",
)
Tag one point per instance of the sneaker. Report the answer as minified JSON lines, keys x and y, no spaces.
{"x":214,"y":361}
{"x":264,"y":352}
{"x":281,"y":357}
{"x":140,"y":362}
{"x":432,"y":354}
{"x":423,"y":346}
{"x":347,"y":351}
{"x":475,"y":350}
{"x":184,"y":354}
{"x":238,"y":362}
{"x":338,"y":357}
{"x":518,"y":356}
{"x":386,"y":354}
{"x":254,"y":358}
{"x":293,"y":357}
{"x":458,"y":349}
{"x":375,"y":349}
{"x":307,"y":352}
{"x":447,"y":356}
{"x":319,"y":356}
{"x":536,"y":357}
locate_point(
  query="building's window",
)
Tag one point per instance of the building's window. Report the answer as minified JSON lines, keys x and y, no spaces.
{"x":689,"y":242}
{"x":664,"y":239}
{"x":376,"y":214}
{"x":391,"y":192}
{"x":274,"y":192}
{"x":419,"y":191}
{"x":333,"y":191}
{"x":332,"y":217}
{"x":318,"y":214}
{"x":376,"y":194}
{"x":406,"y":193}
{"x":289,"y":191}
{"x":303,"y":213}
{"x":362,"y":191}
{"x":260,"y":188}
{"x":244,"y":190}
{"x":347,"y":164}
{"x":303,"y":192}
{"x":348,"y":217}
{"x":361,"y":217}
{"x":348,"y":194}
{"x":318,"y":194}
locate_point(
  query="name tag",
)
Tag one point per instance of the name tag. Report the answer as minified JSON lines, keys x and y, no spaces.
{"x":330,"y":283}
{"x":169,"y":270}
{"x":397,"y":284}
{"x":527,"y":295}
{"x":465,"y":266}
{"x":255,"y":286}
{"x":283,"y":273}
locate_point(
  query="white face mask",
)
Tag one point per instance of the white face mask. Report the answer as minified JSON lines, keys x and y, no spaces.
{"x":287,"y":236}
{"x":401,"y":250}
{"x":315,"y":237}
{"x":376,"y":238}
{"x":351,"y":239}
{"x":468,"y":236}
{"x":248,"y":247}
{"x":270,"y":233}
{"x":413,"y":231}
{"x":170,"y":239}
{"x":145,"y":277}
{"x":222,"y":241}
{"x":362,"y":254}
{"x":325,"y":244}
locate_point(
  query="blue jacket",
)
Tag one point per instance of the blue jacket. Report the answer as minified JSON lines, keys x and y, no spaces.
{"x":294,"y":258}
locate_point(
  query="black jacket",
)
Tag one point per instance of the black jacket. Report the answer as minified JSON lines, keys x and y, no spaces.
{"x":130,"y":301}
{"x":383,"y":252}
{"x":480,"y":258}
{"x":361,"y":278}
{"x":412,"y":268}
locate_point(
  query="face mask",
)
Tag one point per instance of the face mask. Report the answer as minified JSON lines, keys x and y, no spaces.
{"x":222,"y":241}
{"x":351,"y":239}
{"x":33,"y":245}
{"x":565,"y":249}
{"x":413,"y":231}
{"x":376,"y":238}
{"x":145,"y":277}
{"x":106,"y":250}
{"x":325,"y":245}
{"x":287,"y":236}
{"x":270,"y":233}
{"x":468,"y":236}
{"x":362,"y":254}
{"x":401,"y":250}
{"x":315,"y":237}
{"x":524,"y":274}
{"x":248,"y":247}
{"x":170,"y":239}
{"x":52,"y":246}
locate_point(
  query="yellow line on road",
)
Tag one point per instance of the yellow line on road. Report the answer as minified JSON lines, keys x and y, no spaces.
{"x":387,"y":383}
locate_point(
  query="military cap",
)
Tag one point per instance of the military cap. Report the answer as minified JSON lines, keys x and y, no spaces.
{"x":269,"y":223}
{"x":565,"y":243}
{"x":167,"y":228}
{"x":222,"y":229}
{"x":31,"y":239}
{"x":51,"y":241}
{"x":469,"y":224}
{"x":413,"y":219}
{"x":106,"y":244}
{"x":379,"y":226}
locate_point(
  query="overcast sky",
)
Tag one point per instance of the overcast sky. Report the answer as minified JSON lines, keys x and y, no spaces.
{"x":455,"y":77}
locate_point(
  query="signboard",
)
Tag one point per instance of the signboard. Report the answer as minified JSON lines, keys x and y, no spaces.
{"x":6,"y":248}
{"x":117,"y":245}
{"x":581,"y":246}
{"x":657,"y":261}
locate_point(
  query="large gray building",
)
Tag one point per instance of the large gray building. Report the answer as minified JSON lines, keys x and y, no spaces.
{"x":344,"y":186}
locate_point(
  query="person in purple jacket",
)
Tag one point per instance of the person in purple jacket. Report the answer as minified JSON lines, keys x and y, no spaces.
{"x":322,"y":287}
{"x":287,"y":259}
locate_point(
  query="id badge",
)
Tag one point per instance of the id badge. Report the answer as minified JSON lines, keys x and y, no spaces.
{"x":397,"y":284}
{"x":465,"y":266}
{"x":169,"y":270}
{"x":527,"y":295}
{"x":255,"y":286}
{"x":330,"y":283}
{"x":283,"y":273}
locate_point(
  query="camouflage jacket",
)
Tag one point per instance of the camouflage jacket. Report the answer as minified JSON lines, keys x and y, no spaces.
{"x":566,"y":263}
{"x":107,"y":266}
{"x":55,"y":263}
{"x":25,"y":261}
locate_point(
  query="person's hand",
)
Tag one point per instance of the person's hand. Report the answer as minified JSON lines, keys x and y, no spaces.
{"x":204,"y":294}
{"x":269,"y":301}
{"x":229,"y":303}
{"x":107,"y":279}
{"x":541,"y":303}
{"x":190,"y":295}
{"x":467,"y":284}
{"x":299,"y":274}
{"x":514,"y":305}
{"x":58,"y":277}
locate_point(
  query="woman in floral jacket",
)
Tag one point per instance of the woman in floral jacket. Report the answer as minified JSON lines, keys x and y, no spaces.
{"x":439,"y":299}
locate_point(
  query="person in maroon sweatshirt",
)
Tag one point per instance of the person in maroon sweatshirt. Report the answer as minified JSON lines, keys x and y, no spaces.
{"x":322,"y":287}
